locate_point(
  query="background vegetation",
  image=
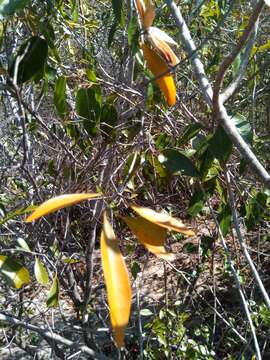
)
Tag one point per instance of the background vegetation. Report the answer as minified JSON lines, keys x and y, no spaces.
{"x":84,"y":115}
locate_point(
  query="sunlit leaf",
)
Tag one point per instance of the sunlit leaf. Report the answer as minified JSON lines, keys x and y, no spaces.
{"x":177,"y":163}
{"x":23,"y":244}
{"x":53,"y":294}
{"x":150,"y":235}
{"x":163,"y":220}
{"x":116,"y":280}
{"x":15,"y":274}
{"x":41,"y":273}
{"x":59,"y":202}
{"x":158,"y":67}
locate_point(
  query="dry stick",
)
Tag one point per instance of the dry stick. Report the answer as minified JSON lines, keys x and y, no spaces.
{"x":207,"y":91}
{"x":50,"y":335}
{"x":227,"y":62}
{"x":243,"y":242}
{"x":232,"y":87}
{"x":209,"y":305}
{"x":236,"y":279}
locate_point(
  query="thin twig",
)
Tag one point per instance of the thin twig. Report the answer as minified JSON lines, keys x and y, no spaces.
{"x":48,"y":334}
{"x":242,"y":242}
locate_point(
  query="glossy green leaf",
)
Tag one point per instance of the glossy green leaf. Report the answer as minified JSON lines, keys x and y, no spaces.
{"x":9,"y":7}
{"x":13,"y":272}
{"x":53,"y":294}
{"x":88,"y":106}
{"x":177,"y":163}
{"x":243,"y":126}
{"x":189,"y":132}
{"x":30,"y":60}
{"x":59,"y":95}
{"x":220,"y":145}
{"x":41,"y":273}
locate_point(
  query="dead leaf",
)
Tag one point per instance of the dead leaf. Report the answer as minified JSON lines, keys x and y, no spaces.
{"x":150,"y":235}
{"x":163,"y":220}
{"x":116,"y":280}
{"x":59,"y":202}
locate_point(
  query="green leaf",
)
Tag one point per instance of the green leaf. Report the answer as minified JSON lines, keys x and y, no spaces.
{"x":30,"y":60}
{"x":255,"y":209}
{"x":177,"y":163}
{"x":196,"y":203}
{"x":59,"y":95}
{"x":220,"y":145}
{"x":205,"y":161}
{"x":164,"y":141}
{"x":146,"y":312}
{"x":14,"y":273}
{"x":15,"y":213}
{"x":88,"y":106}
{"x":225,"y":218}
{"x":91,"y":75}
{"x":132,"y":30}
{"x":133,"y":35}
{"x":243,"y":126}
{"x":117,"y":10}
{"x":9,"y":7}
{"x":189,"y":133}
{"x":111,"y":33}
{"x":23,"y":244}
{"x":53,"y":294}
{"x":108,"y":119}
{"x":41,"y":273}
{"x":236,"y":65}
{"x":135,"y":269}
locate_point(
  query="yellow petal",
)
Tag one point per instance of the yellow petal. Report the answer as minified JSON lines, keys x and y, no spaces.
{"x":59,"y":202}
{"x":150,"y":235}
{"x":161,"y":35}
{"x":116,"y":280}
{"x":163,"y":220}
{"x":146,"y":12}
{"x":163,"y":49}
{"x":158,"y":66}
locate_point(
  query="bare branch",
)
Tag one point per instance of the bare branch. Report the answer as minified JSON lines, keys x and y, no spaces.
{"x":191,"y":50}
{"x":220,"y":111}
{"x":48,"y":334}
{"x":230,"y":90}
{"x":224,"y":66}
{"x":236,"y":279}
{"x":243,"y":243}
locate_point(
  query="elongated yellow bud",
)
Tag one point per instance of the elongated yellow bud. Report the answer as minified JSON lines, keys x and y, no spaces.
{"x":159,"y":66}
